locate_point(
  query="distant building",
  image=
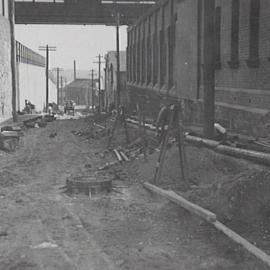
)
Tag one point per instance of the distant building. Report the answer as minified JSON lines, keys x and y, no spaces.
{"x":111,"y":78}
{"x":80,"y":91}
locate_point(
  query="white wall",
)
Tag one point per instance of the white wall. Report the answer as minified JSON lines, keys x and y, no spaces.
{"x":5,"y":70}
{"x":32,"y":86}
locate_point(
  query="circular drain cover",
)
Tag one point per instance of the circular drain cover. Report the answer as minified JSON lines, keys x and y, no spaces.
{"x":88,"y":184}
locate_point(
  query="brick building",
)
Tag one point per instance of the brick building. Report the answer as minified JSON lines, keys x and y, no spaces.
{"x":165,"y":59}
{"x":111,"y":77}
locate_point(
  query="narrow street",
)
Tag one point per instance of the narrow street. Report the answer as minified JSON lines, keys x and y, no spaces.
{"x":43,"y":228}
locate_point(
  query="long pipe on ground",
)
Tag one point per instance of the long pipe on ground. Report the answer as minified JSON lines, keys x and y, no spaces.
{"x":254,"y":156}
{"x":258,"y":157}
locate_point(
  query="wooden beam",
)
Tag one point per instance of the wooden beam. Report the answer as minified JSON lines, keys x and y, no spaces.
{"x":210,"y":217}
{"x":243,"y":242}
{"x":191,"y":207}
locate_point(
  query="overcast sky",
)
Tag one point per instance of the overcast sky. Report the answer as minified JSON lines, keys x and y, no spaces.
{"x":82,"y":43}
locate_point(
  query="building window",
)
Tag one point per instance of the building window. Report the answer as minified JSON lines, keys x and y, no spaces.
{"x":217,"y":37}
{"x":234,"y":62}
{"x":254,"y":28}
{"x":143,"y":55}
{"x":149,"y":59}
{"x":171,"y":46}
{"x":149,"y":54}
{"x":162,"y":47}
{"x":3,"y":7}
{"x":155,"y":53}
{"x":138,"y":61}
{"x":134,"y":58}
{"x":162,"y":52}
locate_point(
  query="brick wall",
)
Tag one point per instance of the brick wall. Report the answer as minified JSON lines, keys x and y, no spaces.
{"x":244,"y":77}
{"x":5,"y":70}
{"x":242,"y":91}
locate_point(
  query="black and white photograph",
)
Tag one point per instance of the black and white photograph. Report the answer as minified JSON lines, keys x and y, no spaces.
{"x":134,"y":134}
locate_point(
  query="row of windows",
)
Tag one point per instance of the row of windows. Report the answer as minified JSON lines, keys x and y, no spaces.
{"x":254,"y":26}
{"x":151,"y":58}
{"x":26,"y":55}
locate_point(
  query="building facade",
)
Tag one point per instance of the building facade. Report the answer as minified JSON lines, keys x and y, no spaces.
{"x":111,"y":78}
{"x":165,"y":59}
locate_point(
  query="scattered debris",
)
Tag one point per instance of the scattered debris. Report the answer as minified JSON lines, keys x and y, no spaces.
{"x":117,"y":154}
{"x":52,"y":135}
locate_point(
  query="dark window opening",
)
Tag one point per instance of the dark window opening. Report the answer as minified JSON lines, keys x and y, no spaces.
{"x":162,"y":53}
{"x":138,"y":61}
{"x":134,"y":59}
{"x":143,"y":60}
{"x":171,"y":33}
{"x":155,"y":53}
{"x":3,"y":7}
{"x":149,"y":59}
{"x":217,"y":37}
{"x":143,"y":55}
{"x":254,"y":29}
{"x":155,"y":60}
{"x":234,"y":62}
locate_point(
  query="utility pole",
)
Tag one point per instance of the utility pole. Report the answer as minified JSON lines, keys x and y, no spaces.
{"x":13,"y":60}
{"x":62,"y":90}
{"x":48,"y":49}
{"x":209,"y":68}
{"x":99,"y":82}
{"x":92,"y":88}
{"x":58,"y":91}
{"x":118,"y":86}
{"x":58,"y":70}
{"x":74,"y":64}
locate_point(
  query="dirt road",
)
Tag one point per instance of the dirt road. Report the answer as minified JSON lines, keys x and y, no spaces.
{"x":43,"y":228}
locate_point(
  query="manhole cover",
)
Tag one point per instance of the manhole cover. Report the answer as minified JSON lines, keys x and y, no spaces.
{"x":89,"y":185}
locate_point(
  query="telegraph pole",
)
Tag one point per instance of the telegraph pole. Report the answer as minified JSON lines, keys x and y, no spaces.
{"x":209,"y":68}
{"x":47,"y":48}
{"x":58,"y":90}
{"x":118,"y":89}
{"x":92,"y":87}
{"x":99,"y":82}
{"x":62,"y":90}
{"x":74,"y":64}
{"x":58,"y":70}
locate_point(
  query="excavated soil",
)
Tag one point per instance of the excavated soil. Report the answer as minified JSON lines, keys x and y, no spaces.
{"x":129,"y":228}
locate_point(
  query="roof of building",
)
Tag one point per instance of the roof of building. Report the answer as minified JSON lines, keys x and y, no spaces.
{"x":111,"y":56}
{"x":79,"y":83}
